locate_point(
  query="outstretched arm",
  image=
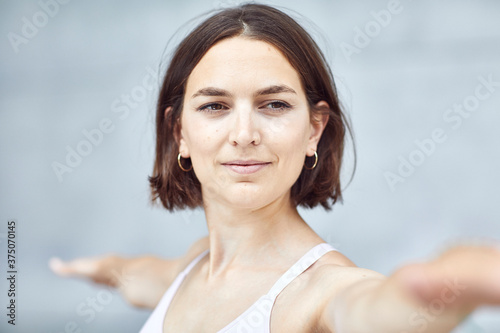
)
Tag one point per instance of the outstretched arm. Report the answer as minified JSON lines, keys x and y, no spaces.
{"x":142,"y":280}
{"x":425,"y":297}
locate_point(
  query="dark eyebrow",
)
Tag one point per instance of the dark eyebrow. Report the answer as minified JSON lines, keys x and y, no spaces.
{"x":274,"y":89}
{"x":211,"y":91}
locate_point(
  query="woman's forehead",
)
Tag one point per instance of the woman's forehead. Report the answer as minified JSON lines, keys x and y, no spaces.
{"x":240,"y":62}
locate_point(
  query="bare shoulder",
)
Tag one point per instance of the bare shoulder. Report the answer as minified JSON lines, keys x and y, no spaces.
{"x":334,"y":274}
{"x":317,"y":287}
{"x":335,"y":265}
{"x":150,"y":275}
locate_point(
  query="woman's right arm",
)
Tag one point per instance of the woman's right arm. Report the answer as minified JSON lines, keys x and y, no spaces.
{"x":142,"y":280}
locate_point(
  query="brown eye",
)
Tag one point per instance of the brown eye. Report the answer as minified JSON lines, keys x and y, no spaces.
{"x":215,"y":107}
{"x":212,"y":108}
{"x":277,"y":106}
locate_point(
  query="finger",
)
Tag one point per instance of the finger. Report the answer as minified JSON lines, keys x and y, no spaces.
{"x":78,"y":267}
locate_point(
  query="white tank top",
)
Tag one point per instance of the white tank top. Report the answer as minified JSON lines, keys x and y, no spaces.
{"x":257,"y":318}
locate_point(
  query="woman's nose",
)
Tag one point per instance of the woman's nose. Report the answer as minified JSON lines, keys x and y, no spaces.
{"x":244,"y":129}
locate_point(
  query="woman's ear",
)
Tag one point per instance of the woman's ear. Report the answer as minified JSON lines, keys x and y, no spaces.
{"x":319,"y":120}
{"x":178,"y":135}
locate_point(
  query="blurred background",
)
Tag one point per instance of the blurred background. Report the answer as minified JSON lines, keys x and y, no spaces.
{"x":78,"y":81}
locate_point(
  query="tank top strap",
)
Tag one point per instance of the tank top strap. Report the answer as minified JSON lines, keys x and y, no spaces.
{"x":299,"y":267}
{"x":155,"y":320}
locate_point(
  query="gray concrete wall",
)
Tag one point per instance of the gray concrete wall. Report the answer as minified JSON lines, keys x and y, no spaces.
{"x":402,"y":85}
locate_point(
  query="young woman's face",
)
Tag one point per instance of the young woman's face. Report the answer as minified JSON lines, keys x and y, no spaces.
{"x":245,"y":124}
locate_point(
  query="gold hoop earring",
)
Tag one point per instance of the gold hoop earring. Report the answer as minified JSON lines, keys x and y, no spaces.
{"x":180,"y":165}
{"x":315,"y":162}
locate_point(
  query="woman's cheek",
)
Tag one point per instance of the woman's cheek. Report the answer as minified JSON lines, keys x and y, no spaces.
{"x":278,"y":125}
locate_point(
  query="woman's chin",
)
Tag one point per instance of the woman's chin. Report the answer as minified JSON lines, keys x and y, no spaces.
{"x":241,"y":195}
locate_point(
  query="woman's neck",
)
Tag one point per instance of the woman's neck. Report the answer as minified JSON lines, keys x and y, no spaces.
{"x":254,"y":238}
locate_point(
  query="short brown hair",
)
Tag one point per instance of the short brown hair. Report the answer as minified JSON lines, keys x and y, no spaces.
{"x":178,"y":189}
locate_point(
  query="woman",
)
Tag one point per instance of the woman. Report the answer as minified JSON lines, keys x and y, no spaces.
{"x":249,"y":127}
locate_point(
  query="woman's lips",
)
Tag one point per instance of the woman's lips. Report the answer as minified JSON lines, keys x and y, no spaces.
{"x":245,"y":167}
